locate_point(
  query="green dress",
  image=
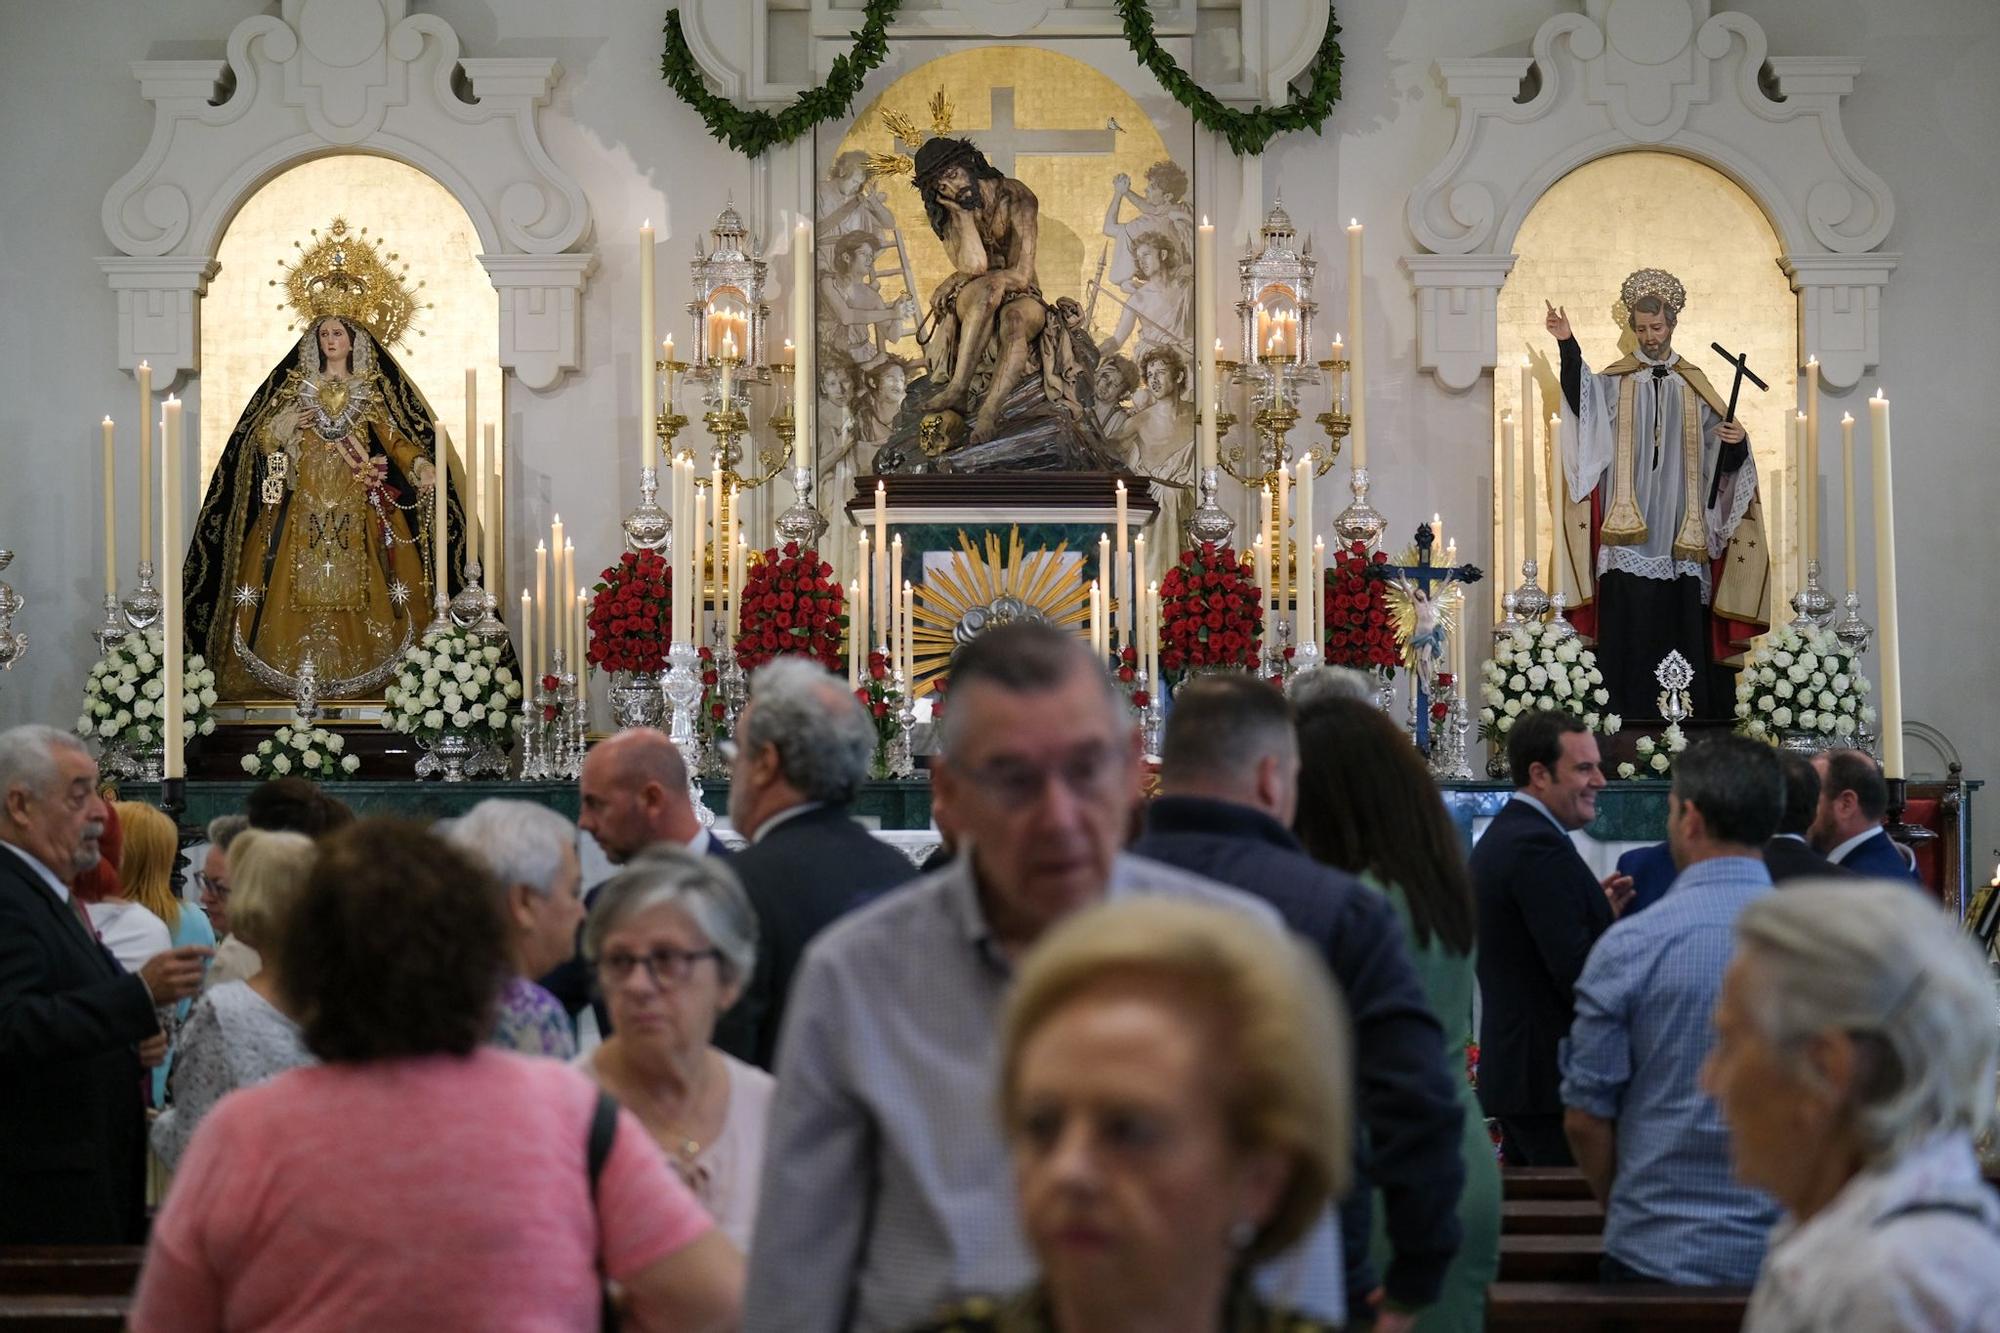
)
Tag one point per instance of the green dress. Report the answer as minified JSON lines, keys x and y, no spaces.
{"x":1448,"y":981}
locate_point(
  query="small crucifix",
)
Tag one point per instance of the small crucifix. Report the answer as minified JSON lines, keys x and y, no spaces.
{"x":1743,"y":372}
{"x":1423,"y":584}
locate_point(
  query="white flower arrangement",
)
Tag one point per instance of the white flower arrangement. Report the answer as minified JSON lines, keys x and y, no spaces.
{"x":307,"y":752}
{"x":454,"y":682}
{"x":1657,"y":756}
{"x":1806,"y":682}
{"x":122,"y":703}
{"x":1533,"y":668}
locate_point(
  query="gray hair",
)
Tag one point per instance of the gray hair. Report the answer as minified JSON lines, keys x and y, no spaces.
{"x":1319,"y":683}
{"x":702,"y":886}
{"x":225,"y":829}
{"x":1882,"y":963}
{"x":519,"y":841}
{"x":1025,"y":657}
{"x":824,"y":737}
{"x":28,"y":757}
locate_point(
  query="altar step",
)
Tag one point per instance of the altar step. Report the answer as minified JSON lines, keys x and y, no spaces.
{"x":384,"y":755}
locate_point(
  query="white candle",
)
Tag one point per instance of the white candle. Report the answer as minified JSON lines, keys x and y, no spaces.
{"x":1136,"y":580}
{"x":667,"y":359}
{"x":1802,"y":514}
{"x":1359,"y":430}
{"x":1204,"y":335}
{"x":1888,"y":638}
{"x":565,"y":599}
{"x":1302,"y":524}
{"x":1318,"y":597}
{"x":496,"y":518}
{"x":1774,"y":540}
{"x":1810,"y":477}
{"x":1121,"y":577}
{"x":728,"y":368}
{"x":441,"y":515}
{"x":1545,"y":498}
{"x":649,"y":443}
{"x":172,"y":610}
{"x":528,"y":641}
{"x":487,"y":504}
{"x":880,"y":569}
{"x":580,"y":619}
{"x":1510,"y":507}
{"x":854,"y":627}
{"x":1847,"y":496}
{"x":1153,"y":637}
{"x":145,"y":461}
{"x":1260,"y":574}
{"x":802,"y":331}
{"x":111,"y":511}
{"x":698,"y":608}
{"x":540,"y":638}
{"x":859,"y":644}
{"x":894,"y":584}
{"x":1097,"y":618}
{"x":736,"y":560}
{"x":908,"y":636}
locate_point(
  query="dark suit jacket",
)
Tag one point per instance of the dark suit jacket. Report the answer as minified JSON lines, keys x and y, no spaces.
{"x":72,"y":1123}
{"x":1653,"y":873}
{"x":570,"y":981}
{"x":1878,"y":858}
{"x":801,"y":876}
{"x":1789,"y":858}
{"x":1409,"y":1106}
{"x":1540,"y":910}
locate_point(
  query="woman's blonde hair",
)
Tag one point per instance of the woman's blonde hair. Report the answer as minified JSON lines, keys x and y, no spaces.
{"x":267,"y":869}
{"x":146,"y":870}
{"x":1283,"y":1072}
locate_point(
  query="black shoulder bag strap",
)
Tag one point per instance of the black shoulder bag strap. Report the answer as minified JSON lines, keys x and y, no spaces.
{"x":603,"y":1129}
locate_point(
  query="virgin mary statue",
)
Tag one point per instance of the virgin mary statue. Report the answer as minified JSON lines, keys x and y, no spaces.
{"x":315,"y":537}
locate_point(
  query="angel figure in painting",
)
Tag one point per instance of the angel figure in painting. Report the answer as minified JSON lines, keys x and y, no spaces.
{"x":314,"y":537}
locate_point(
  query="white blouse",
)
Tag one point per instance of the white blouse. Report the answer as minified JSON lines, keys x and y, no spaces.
{"x":232,"y":1039}
{"x":133,"y":933}
{"x":1911,"y":1247}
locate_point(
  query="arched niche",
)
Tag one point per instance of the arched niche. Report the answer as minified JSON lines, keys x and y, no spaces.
{"x":1665,"y":75}
{"x":328,"y":76}
{"x":246,"y":327}
{"x":1573,"y":249}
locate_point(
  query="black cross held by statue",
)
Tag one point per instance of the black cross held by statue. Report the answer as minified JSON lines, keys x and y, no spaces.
{"x":1427,"y":577}
{"x":1743,"y":372}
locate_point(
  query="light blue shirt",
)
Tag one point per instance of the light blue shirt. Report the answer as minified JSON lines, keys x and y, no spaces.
{"x":1634,"y":1055}
{"x":1546,"y":813}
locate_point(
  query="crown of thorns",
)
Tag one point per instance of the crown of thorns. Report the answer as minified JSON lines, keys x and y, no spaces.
{"x":1654,"y":282}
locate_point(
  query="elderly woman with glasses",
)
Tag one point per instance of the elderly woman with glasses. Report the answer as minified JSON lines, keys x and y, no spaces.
{"x":673,"y":938}
{"x":1854,"y":1061}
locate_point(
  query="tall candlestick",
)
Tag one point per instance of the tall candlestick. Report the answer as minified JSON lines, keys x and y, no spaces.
{"x":1204,"y":335}
{"x":1153,"y":637}
{"x":172,"y":610}
{"x":111,"y":511}
{"x":1097,"y":618}
{"x":1358,"y":429}
{"x":145,"y":461}
{"x":496,"y":517}
{"x":1260,"y":573}
{"x":1781,"y":566}
{"x":1121,"y":579}
{"x":1551,"y":487}
{"x":854,"y":629}
{"x":908,"y":635}
{"x":859,"y":643}
{"x":471,"y":410}
{"x":802,"y":330}
{"x":1302,"y":525}
{"x":565,"y":599}
{"x":580,"y":635}
{"x":1810,"y":477}
{"x":540,"y":638}
{"x":1135,"y":580}
{"x":895,"y":585}
{"x":1318,"y":595}
{"x":1888,"y":637}
{"x":728,"y":367}
{"x":1106,"y":571}
{"x":527,"y":639}
{"x":440,"y":514}
{"x":1281,"y":553}
{"x":881,"y":568}
{"x":649,"y":442}
{"x":1847,"y":497}
{"x":697,"y":610}
{"x":488,"y":549}
{"x":1802,"y":471}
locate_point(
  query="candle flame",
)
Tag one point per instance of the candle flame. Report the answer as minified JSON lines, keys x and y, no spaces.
{"x":1878,"y":394}
{"x":107,"y":421}
{"x":1846,"y":418}
{"x":647,"y":225}
{"x":1813,"y":360}
{"x":1205,"y":223}
{"x":1525,"y":363}
{"x":1352,"y":223}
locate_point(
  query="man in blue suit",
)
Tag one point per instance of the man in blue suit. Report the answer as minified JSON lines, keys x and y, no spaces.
{"x":1848,"y":828}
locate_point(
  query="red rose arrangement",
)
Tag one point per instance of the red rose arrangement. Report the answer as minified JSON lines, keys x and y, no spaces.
{"x":1211,"y":613}
{"x":629,"y":614}
{"x":1128,"y":676}
{"x":879,"y":695}
{"x":1359,"y":633}
{"x":1440,"y":710}
{"x":792,"y":605}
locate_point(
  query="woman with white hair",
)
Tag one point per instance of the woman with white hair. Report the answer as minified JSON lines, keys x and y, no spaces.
{"x":1854,"y":1061}
{"x":673,"y":938}
{"x":531,"y":851}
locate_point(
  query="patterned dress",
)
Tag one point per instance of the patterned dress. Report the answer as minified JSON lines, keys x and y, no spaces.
{"x":233,"y":1039}
{"x":533,"y":1022}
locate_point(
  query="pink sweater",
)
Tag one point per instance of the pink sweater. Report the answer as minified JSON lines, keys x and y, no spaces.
{"x":422,"y":1195}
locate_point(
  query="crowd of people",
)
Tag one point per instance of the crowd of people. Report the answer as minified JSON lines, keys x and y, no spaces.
{"x":1195,"y":1062}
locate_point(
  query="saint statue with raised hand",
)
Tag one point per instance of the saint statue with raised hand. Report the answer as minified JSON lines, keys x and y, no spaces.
{"x":1661,"y":543}
{"x":314,"y":537}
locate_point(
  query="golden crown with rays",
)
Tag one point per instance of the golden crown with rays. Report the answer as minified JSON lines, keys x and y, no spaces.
{"x":343,"y":273}
{"x":1653,"y":282}
{"x":902,"y":129}
{"x":979,"y":590}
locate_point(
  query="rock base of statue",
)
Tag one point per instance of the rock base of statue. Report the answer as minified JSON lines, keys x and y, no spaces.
{"x":1033,"y":434}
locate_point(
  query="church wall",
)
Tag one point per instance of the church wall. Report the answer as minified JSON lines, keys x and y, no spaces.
{"x":1924,"y":115}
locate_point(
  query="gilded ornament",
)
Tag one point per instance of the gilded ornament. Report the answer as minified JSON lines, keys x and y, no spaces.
{"x":343,"y":273}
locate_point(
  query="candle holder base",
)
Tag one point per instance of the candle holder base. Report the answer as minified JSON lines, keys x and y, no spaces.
{"x":1360,"y":521}
{"x":1812,"y":607}
{"x":1208,"y":524}
{"x":648,"y":528}
{"x":1853,"y":632}
{"x":1559,"y":627}
{"x":1510,"y":615}
{"x":801,"y":523}
{"x":143,"y":607}
{"x":1530,"y":601}
{"x":111,"y":631}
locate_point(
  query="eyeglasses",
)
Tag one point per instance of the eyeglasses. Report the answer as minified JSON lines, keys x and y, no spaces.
{"x":1086,"y":772}
{"x":207,"y":885}
{"x":665,"y":967}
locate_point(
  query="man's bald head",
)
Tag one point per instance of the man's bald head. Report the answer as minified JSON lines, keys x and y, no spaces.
{"x":635,"y":793}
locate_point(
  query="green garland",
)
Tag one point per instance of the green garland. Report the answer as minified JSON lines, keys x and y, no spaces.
{"x":1246,"y":131}
{"x":752,"y":133}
